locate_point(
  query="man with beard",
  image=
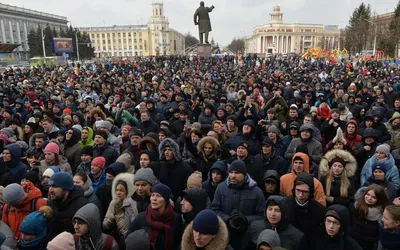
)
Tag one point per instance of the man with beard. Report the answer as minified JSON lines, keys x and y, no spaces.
{"x":246,"y":133}
{"x":132,"y":146}
{"x":396,"y":108}
{"x":147,"y":125}
{"x":65,"y":199}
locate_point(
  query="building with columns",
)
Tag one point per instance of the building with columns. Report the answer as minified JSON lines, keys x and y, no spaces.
{"x":153,"y":38}
{"x":17,"y":22}
{"x":278,"y":37}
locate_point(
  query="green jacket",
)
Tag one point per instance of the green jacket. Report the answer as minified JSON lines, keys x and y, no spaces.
{"x":123,"y":118}
{"x":89,"y":141}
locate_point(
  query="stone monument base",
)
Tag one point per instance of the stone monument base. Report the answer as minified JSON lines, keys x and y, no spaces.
{"x":204,"y":50}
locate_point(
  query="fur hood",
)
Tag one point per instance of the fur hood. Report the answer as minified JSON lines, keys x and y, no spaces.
{"x":99,"y":112}
{"x":351,"y":163}
{"x":220,"y":241}
{"x":128,"y":178}
{"x":168,"y":142}
{"x":214,"y":142}
{"x":145,"y":140}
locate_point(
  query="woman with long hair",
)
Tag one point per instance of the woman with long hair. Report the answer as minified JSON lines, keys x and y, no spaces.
{"x":366,"y":212}
{"x":389,"y":228}
{"x":336,"y":170}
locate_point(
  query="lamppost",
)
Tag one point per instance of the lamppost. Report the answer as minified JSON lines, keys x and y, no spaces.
{"x":376,"y":28}
{"x":77,"y":44}
{"x":44,"y":49}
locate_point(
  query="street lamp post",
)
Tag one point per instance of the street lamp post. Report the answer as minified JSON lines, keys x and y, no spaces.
{"x":44,"y":49}
{"x":376,"y":29}
{"x":77,"y":44}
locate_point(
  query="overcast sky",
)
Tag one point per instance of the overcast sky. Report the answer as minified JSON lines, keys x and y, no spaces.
{"x":230,"y":18}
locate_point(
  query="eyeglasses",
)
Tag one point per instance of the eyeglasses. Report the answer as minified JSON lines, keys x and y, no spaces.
{"x":303,"y":192}
{"x":331,"y":222}
{"x":70,"y":133}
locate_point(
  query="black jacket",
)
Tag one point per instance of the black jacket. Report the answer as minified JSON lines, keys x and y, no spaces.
{"x":208,"y":185}
{"x":330,"y":131}
{"x":107,"y":152}
{"x":175,"y":175}
{"x":64,"y":211}
{"x":148,"y":126}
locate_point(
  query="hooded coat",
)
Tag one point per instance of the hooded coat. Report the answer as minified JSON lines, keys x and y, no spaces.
{"x":174,"y":173}
{"x":290,"y":237}
{"x":5,"y":175}
{"x":342,"y":240}
{"x":350,"y":168}
{"x":63,"y":165}
{"x":287,"y":181}
{"x":270,"y":237}
{"x":388,"y":239}
{"x":392,"y":173}
{"x":97,"y":240}
{"x":89,"y":141}
{"x":219,"y":242}
{"x":354,"y":140}
{"x":90,"y":195}
{"x":72,"y":150}
{"x":13,"y":215}
{"x":199,"y":200}
{"x":363,"y":155}
{"x":16,"y":167}
{"x":271,"y":174}
{"x":64,"y":211}
{"x":120,"y":215}
{"x":308,"y":216}
{"x":208,"y":185}
{"x":254,"y":143}
{"x":201,"y":163}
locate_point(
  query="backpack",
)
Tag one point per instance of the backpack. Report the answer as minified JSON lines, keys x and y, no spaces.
{"x":107,"y":245}
{"x":32,"y":207}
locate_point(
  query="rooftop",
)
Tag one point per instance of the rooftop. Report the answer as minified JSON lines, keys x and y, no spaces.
{"x":11,"y":8}
{"x":114,"y":27}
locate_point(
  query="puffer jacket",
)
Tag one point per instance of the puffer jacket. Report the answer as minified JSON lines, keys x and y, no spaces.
{"x":63,"y":165}
{"x":392,"y":173}
{"x":287,"y":181}
{"x":97,"y":240}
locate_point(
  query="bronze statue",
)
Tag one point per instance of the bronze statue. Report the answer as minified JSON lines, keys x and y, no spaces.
{"x":202,"y":19}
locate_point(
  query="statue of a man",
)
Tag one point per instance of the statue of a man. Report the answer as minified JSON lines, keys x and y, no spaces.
{"x":202,"y":19}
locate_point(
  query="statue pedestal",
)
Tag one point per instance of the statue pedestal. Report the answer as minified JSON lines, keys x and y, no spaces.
{"x":204,"y":50}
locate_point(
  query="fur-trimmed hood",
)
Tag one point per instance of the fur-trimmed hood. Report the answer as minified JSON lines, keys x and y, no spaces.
{"x":128,"y":178}
{"x":168,"y":142}
{"x":145,"y":140}
{"x":214,"y":142}
{"x":351,"y":163}
{"x":99,"y":112}
{"x":220,"y":241}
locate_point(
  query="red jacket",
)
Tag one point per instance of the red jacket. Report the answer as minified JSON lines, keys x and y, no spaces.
{"x":353,"y":141}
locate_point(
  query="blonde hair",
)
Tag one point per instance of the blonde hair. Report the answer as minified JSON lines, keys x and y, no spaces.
{"x":344,"y":183}
{"x":46,"y":211}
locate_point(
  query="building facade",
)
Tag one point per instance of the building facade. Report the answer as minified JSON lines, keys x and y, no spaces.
{"x":16,"y":23}
{"x":154,"y":38}
{"x":278,"y":37}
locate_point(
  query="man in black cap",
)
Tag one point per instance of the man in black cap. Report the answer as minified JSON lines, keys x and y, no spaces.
{"x":238,"y":201}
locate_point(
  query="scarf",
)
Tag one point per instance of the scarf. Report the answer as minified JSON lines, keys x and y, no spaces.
{"x":160,"y":222}
{"x":374,"y":213}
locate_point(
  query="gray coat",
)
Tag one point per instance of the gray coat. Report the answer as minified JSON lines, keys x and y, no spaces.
{"x":314,"y":149}
{"x":91,"y":216}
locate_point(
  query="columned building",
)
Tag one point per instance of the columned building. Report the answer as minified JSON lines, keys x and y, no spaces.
{"x":278,"y":37}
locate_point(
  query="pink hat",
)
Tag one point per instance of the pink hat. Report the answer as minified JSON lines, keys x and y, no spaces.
{"x":99,"y":162}
{"x":63,"y":241}
{"x":52,"y":148}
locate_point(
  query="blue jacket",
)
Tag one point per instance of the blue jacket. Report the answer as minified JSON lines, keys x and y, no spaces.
{"x":392,"y":174}
{"x":16,"y":167}
{"x":100,"y":180}
{"x":248,"y":199}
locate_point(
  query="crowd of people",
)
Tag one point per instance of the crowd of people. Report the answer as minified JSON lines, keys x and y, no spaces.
{"x":182,"y":153}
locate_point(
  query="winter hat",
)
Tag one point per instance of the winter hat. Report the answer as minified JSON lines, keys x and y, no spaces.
{"x":13,"y":194}
{"x":206,"y":222}
{"x":138,"y":240}
{"x":63,"y":241}
{"x":238,"y":166}
{"x":384,"y":148}
{"x":50,"y":171}
{"x":9,"y":132}
{"x":135,"y":131}
{"x":105,"y":124}
{"x":32,"y":176}
{"x":52,"y":147}
{"x":163,"y":190}
{"x":87,"y":150}
{"x":68,"y":117}
{"x":273,"y":129}
{"x":194,"y":180}
{"x":36,"y":222}
{"x":379,"y":165}
{"x":165,"y":123}
{"x":144,"y":174}
{"x":332,"y":213}
{"x":63,"y":180}
{"x":67,"y":111}
{"x":244,"y":144}
{"x":267,"y":142}
{"x":102,"y":134}
{"x":99,"y":162}
{"x":78,"y":127}
{"x":313,"y":109}
{"x":337,"y":159}
{"x":127,"y":127}
{"x":23,"y":145}
{"x":339,"y":137}
{"x":302,"y":148}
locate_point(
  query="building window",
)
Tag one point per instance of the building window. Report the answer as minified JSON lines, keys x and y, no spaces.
{"x":102,"y":35}
{"x":141,"y":46}
{"x":129,"y":34}
{"x":104,"y":41}
{"x":98,"y":35}
{"x":104,"y":47}
{"x":134,"y":40}
{"x":134,"y":33}
{"x":140,"y":40}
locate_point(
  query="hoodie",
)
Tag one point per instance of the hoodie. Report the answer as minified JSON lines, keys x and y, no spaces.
{"x":90,"y":215}
{"x":354,"y":139}
{"x":287,"y":181}
{"x":17,"y":168}
{"x":198,"y":198}
{"x":89,"y":141}
{"x":272,"y":175}
{"x":208,"y":185}
{"x":269,"y":237}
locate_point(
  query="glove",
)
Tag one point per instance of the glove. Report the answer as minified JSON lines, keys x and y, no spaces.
{"x":239,"y":221}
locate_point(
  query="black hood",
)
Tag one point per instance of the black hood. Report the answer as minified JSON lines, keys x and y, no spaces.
{"x":307,"y":179}
{"x":280,"y":201}
{"x":272,"y":174}
{"x":343,"y":213}
{"x":75,"y":138}
{"x":198,"y":198}
{"x":222,"y":167}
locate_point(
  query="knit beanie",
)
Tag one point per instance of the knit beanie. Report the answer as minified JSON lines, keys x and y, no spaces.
{"x":273,"y":129}
{"x":144,"y":174}
{"x":99,"y":162}
{"x":337,"y":159}
{"x":127,"y":127}
{"x":50,"y":171}
{"x":34,"y":223}
{"x":135,"y":131}
{"x":384,"y":148}
{"x":379,"y":165}
{"x":13,"y":194}
{"x":102,"y":134}
{"x":78,"y":127}
{"x":163,"y":190}
{"x":239,"y":166}
{"x":194,"y":180}
{"x":67,"y":111}
{"x":63,"y":241}
{"x":87,"y":150}
{"x":63,"y":180}
{"x":32,"y":176}
{"x":206,"y":222}
{"x":52,"y":148}
{"x":244,"y":144}
{"x":105,"y":124}
{"x":9,"y":132}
